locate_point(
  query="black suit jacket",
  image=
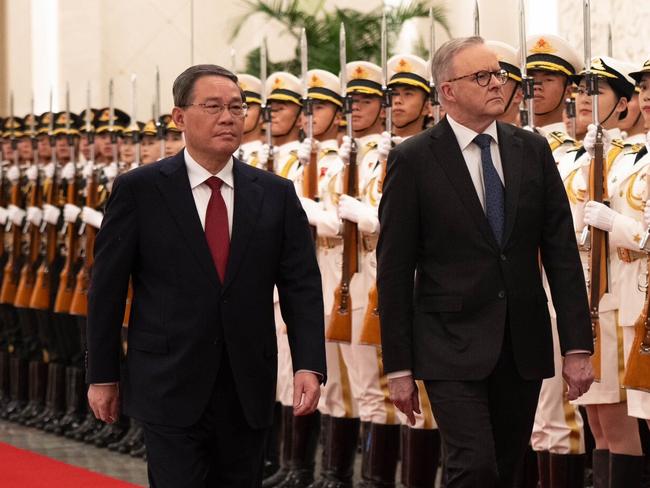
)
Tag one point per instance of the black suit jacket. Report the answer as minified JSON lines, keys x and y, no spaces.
{"x":183,"y":319}
{"x":447,"y":289}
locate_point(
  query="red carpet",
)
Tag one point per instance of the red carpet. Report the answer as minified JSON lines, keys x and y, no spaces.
{"x":24,"y":469}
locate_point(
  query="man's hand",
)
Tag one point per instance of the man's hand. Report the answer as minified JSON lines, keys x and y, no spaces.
{"x":104,"y":401}
{"x":306,"y":392}
{"x":578,"y":374}
{"x":404,"y":395}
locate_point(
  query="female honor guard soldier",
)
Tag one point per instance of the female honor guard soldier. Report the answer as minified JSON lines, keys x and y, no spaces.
{"x":605,"y":402}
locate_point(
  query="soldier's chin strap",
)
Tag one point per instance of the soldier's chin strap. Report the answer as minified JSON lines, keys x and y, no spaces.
{"x":329,"y":126}
{"x":415,"y":119}
{"x":372,"y":123}
{"x":257,"y":124}
{"x":557,"y":105}
{"x":295,"y":121}
{"x":611,"y":112}
{"x":512,"y":96}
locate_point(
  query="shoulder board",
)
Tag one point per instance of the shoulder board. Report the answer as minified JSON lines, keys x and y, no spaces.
{"x":576,"y":148}
{"x":636,"y":148}
{"x":619,"y":143}
{"x":561,"y":137}
{"x":370,"y":145}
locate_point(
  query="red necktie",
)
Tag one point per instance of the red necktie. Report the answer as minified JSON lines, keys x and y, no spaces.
{"x":216,"y":227}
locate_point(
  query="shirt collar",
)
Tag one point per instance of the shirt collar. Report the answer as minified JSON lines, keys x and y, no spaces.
{"x":465,"y":135}
{"x":198,"y":174}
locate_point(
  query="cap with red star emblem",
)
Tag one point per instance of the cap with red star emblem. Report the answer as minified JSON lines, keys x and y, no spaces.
{"x":408,"y":69}
{"x":283,"y":87}
{"x":547,"y":52}
{"x":364,"y":77}
{"x":325,"y":86}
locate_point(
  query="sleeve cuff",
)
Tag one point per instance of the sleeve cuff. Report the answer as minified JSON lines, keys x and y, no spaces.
{"x":399,"y":374}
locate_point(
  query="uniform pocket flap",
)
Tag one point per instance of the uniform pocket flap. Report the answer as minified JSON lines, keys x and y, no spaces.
{"x":147,"y":341}
{"x":440,"y":304}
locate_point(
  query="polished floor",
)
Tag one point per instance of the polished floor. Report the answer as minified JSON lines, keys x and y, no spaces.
{"x":76,"y":453}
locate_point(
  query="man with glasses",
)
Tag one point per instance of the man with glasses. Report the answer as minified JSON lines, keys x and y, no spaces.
{"x":204,"y":239}
{"x":468,"y":209}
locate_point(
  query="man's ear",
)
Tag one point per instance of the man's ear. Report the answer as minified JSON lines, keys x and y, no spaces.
{"x":178,"y":116}
{"x":446,"y":90}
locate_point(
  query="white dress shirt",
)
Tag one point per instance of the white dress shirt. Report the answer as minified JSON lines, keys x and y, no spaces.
{"x":472,"y":154}
{"x":202,"y":192}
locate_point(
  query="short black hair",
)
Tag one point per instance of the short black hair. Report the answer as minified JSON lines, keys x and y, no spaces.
{"x":183,"y":89}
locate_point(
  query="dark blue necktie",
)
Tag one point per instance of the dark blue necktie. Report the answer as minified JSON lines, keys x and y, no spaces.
{"x":494,"y":191}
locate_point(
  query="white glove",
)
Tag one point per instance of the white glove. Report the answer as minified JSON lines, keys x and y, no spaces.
{"x":49,"y":169}
{"x":67,"y":173}
{"x":384,"y":146}
{"x":71,"y":213}
{"x":32,"y":172}
{"x":363,"y":215}
{"x":312,"y":209}
{"x":110,"y":171}
{"x":16,"y":215}
{"x":87,"y":172}
{"x":263,"y":155}
{"x":590,"y":140}
{"x":92,"y":217}
{"x":397,"y":140}
{"x":34,"y":216}
{"x":599,"y":216}
{"x":304,"y":151}
{"x":51,"y":214}
{"x":13,"y":174}
{"x":3,"y":216}
{"x":345,"y":149}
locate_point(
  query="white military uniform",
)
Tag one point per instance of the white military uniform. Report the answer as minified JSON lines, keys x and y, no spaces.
{"x":573,"y":172}
{"x":558,"y":426}
{"x":250,"y":153}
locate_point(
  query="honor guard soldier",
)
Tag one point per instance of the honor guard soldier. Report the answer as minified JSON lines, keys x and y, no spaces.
{"x":149,"y":146}
{"x":551,"y":61}
{"x":508,"y":59}
{"x":130,"y":144}
{"x":174,"y":142}
{"x":558,"y":434}
{"x":634,"y":125}
{"x":623,"y":219}
{"x":380,"y":425}
{"x":408,"y":80}
{"x":252,"y":150}
{"x":615,"y":433}
{"x":339,"y":400}
{"x":300,"y":434}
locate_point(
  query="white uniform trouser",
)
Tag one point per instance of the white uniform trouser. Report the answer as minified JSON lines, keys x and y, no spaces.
{"x":558,"y":426}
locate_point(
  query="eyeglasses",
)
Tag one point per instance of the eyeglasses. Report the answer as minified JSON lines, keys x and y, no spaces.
{"x":237,"y":110}
{"x":484,"y":77}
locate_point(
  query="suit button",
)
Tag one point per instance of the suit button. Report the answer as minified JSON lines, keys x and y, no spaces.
{"x":502,"y":294}
{"x":503,"y":257}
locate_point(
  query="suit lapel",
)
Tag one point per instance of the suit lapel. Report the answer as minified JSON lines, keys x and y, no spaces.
{"x":449,"y":156}
{"x":511,"y":151}
{"x":248,"y":203}
{"x":175,"y":188}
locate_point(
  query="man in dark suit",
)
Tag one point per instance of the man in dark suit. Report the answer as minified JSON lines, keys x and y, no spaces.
{"x":469,"y":208}
{"x":204,"y":239}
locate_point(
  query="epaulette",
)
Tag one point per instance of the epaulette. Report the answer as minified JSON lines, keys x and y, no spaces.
{"x":636,"y":148}
{"x":561,"y":137}
{"x":576,"y":148}
{"x":371,"y":145}
{"x":619,"y":143}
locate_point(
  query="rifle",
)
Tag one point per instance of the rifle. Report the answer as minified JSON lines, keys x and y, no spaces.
{"x":310,"y":170}
{"x":477,"y":19}
{"x":12,"y":267}
{"x":435,"y":103}
{"x":598,"y":276}
{"x":79,"y":303}
{"x":570,"y":107}
{"x":370,"y":330}
{"x":340,"y":325}
{"x":266,"y":108}
{"x":27,"y":278}
{"x":42,"y":289}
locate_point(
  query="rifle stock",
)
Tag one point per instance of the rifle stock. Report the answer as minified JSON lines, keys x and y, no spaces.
{"x":66,"y":288}
{"x":11,"y":274}
{"x":371,"y":330}
{"x":79,"y":303}
{"x":339,"y":328}
{"x":42,"y":289}
{"x":637,"y":369}
{"x":598,"y":278}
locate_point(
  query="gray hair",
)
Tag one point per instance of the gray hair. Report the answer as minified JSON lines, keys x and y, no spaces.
{"x":444,"y":58}
{"x":183,"y":89}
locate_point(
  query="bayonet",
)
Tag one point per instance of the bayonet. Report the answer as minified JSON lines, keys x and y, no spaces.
{"x":435,"y":103}
{"x":266,"y":108}
{"x":388,"y":102}
{"x":160,"y":130}
{"x":527,"y":115}
{"x":134,"y":128}
{"x":111,"y":120}
{"x":477,"y":19}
